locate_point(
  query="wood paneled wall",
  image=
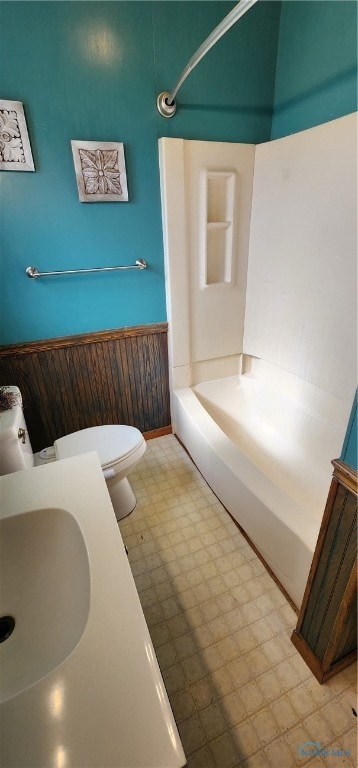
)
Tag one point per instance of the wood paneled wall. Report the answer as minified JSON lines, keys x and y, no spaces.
{"x":70,"y":383}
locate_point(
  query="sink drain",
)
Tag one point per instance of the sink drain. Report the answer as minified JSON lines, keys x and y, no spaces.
{"x":7,"y":626}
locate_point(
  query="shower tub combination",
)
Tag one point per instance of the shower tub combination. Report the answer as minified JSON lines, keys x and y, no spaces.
{"x":262,"y":318}
{"x":264,"y":441}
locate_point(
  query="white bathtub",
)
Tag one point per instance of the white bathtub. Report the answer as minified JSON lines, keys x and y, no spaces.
{"x":264,"y":442}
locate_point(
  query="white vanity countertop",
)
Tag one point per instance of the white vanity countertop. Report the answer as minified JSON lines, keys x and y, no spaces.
{"x":105,"y":705}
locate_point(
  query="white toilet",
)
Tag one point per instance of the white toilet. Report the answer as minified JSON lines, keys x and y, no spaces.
{"x":119,"y":448}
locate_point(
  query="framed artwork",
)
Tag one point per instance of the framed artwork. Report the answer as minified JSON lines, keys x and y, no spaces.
{"x":15,"y":150}
{"x":100,"y":171}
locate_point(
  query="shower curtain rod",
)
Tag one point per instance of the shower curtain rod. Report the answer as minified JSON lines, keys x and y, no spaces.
{"x":166,"y":100}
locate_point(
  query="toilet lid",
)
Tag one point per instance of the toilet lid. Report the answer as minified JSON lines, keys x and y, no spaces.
{"x":113,"y":442}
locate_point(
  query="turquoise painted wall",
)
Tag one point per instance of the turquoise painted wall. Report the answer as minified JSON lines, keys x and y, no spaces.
{"x":350,"y":449}
{"x":316,"y":76}
{"x":316,"y":81}
{"x":92,"y":70}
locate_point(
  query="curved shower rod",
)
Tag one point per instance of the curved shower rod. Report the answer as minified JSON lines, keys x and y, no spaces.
{"x":166,"y":100}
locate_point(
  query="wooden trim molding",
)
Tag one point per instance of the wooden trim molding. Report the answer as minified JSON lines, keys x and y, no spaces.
{"x":110,"y":377}
{"x":60,"y":342}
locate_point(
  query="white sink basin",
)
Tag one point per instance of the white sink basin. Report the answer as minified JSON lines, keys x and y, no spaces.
{"x":45,"y":587}
{"x":80,"y":683}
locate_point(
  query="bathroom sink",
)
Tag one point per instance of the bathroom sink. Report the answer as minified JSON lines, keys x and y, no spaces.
{"x":45,"y":588}
{"x":80,"y":683}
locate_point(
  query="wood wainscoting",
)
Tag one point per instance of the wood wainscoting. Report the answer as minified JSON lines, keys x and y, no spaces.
{"x":108,"y":377}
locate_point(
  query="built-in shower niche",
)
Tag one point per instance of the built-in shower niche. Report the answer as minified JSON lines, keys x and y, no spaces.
{"x":217,"y":256}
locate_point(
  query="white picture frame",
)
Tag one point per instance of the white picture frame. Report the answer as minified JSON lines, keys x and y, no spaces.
{"x":100,"y":171}
{"x":15,"y":149}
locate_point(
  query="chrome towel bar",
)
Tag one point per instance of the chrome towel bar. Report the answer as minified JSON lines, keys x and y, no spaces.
{"x":34,"y":272}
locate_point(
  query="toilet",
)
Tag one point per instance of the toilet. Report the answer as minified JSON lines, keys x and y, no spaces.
{"x":119,"y":448}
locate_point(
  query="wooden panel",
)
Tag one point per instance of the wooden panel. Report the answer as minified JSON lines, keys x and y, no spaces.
{"x":74,"y":382}
{"x":334,"y":568}
{"x":326,"y":632}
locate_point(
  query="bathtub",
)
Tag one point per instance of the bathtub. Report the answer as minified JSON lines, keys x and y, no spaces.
{"x":264,"y":441}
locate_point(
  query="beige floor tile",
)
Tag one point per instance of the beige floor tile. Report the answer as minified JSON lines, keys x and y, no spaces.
{"x":242,"y":695}
{"x":278,"y":755}
{"x":192,"y":734}
{"x":177,"y":625}
{"x":265,"y":725}
{"x":225,"y":752}
{"x":228,"y":648}
{"x":185,"y":646}
{"x":261,"y":631}
{"x":194,"y":616}
{"x":219,"y":628}
{"x":336,"y":716}
{"x":211,"y":657}
{"x":318,"y":725}
{"x":202,"y":593}
{"x":217,"y":585}
{"x":239,"y":671}
{"x":296,"y":737}
{"x":194,"y":668}
{"x":167,"y":655}
{"x":235,"y":620}
{"x":203,"y":758}
{"x":284,"y":713}
{"x":222,"y":681}
{"x":203,"y":636}
{"x":210,"y":609}
{"x":203,"y":692}
{"x":153,"y":615}
{"x":233,"y":708}
{"x":245,"y":639}
{"x":227,"y":602}
{"x":241,"y":595}
{"x":269,"y":685}
{"x":258,"y":760}
{"x":251,"y":697}
{"x":257,"y":661}
{"x":212,"y":721}
{"x":348,"y":700}
{"x":183,"y":705}
{"x":174,"y":679}
{"x":245,"y":738}
{"x":287,"y":675}
{"x":301,"y":700}
{"x":348,"y":742}
{"x":160,"y":634}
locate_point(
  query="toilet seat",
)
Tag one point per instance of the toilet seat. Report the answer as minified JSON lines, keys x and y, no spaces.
{"x":114,"y":443}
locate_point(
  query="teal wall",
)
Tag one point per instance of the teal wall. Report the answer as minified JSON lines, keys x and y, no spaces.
{"x":316,"y":76}
{"x":92,"y":70}
{"x":350,"y":449}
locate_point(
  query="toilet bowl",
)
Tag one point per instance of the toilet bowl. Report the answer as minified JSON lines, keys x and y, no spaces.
{"x":119,"y":448}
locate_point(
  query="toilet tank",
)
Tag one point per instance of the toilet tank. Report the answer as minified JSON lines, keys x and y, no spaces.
{"x":15,"y":447}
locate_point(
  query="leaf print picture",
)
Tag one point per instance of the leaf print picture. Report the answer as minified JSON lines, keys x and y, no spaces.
{"x":100,"y":171}
{"x":15,"y":150}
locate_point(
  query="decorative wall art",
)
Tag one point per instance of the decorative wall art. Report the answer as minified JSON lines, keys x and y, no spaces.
{"x":15,"y":150}
{"x":100,"y":171}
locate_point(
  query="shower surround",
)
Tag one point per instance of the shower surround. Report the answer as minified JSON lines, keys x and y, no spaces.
{"x":260,"y":259}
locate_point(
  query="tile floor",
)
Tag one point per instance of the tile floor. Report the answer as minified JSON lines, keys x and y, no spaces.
{"x":240,"y":692}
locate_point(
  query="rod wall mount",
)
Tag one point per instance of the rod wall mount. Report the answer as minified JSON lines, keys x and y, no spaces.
{"x":164,"y":107}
